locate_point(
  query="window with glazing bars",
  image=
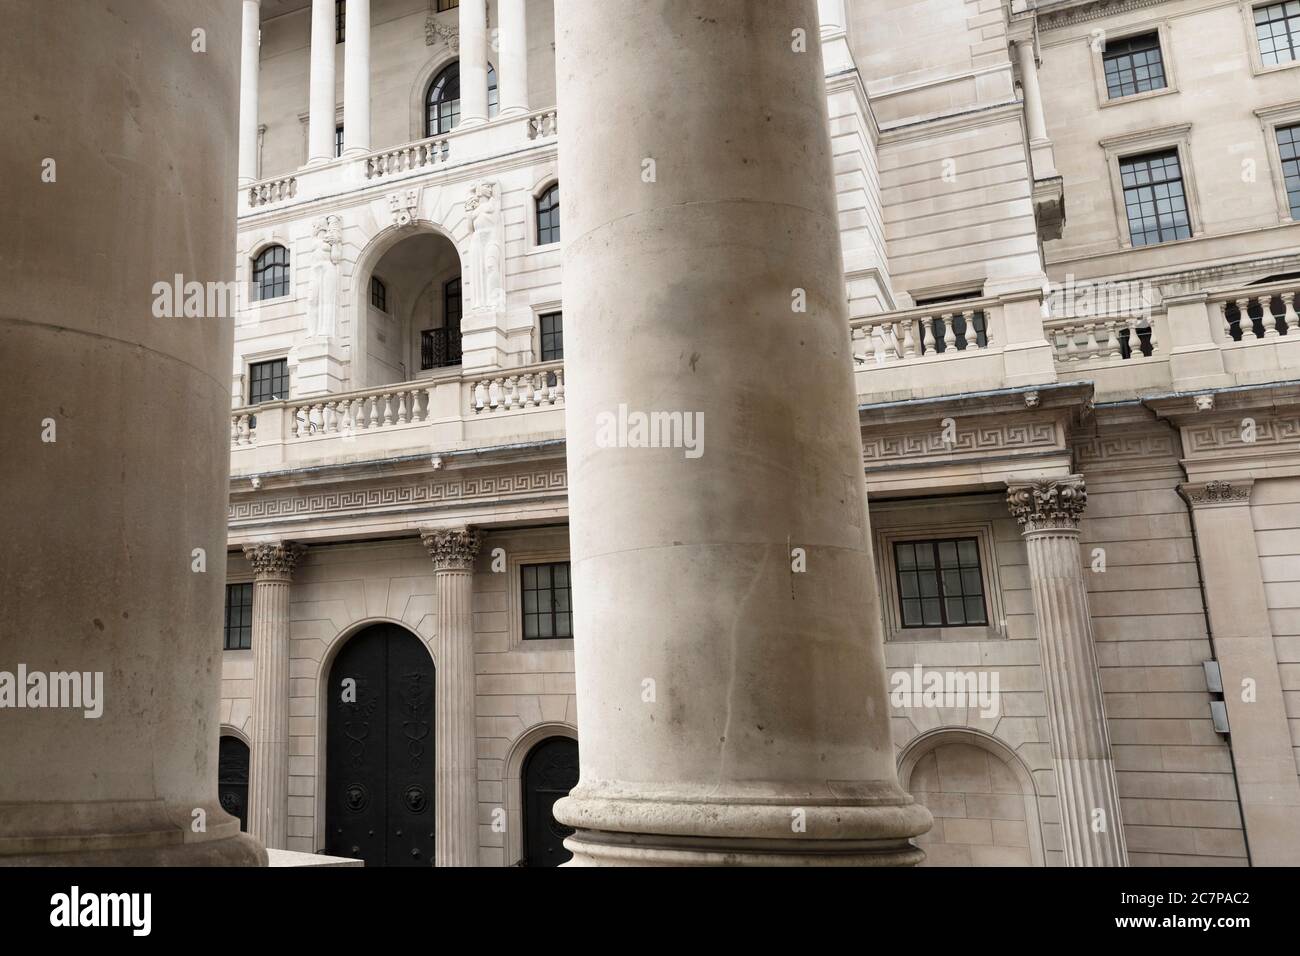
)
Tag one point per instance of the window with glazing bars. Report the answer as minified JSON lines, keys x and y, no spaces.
{"x":939,"y":583}
{"x":552,"y":324}
{"x":545,"y":590}
{"x":548,"y":216}
{"x":1277,"y":29}
{"x":268,"y":381}
{"x":338,"y":141}
{"x":1133,"y":65}
{"x":340,"y":19}
{"x":444,"y":5}
{"x":1288,"y":147}
{"x":239,"y":617}
{"x":378,"y":294}
{"x":1154,"y":199}
{"x":271,"y":273}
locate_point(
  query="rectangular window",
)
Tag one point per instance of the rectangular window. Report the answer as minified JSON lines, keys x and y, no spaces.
{"x":338,"y":141}
{"x":1134,"y":65}
{"x":545,"y":589}
{"x":1153,"y":198}
{"x":939,"y":583}
{"x":340,"y":18}
{"x":1288,"y":146}
{"x":239,"y":617}
{"x":1277,"y":28}
{"x":268,"y":381}
{"x":378,"y":294}
{"x":552,"y":336}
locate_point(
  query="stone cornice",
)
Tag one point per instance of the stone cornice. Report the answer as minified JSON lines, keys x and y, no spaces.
{"x":1216,"y":493}
{"x":452,"y":549}
{"x":274,"y":561}
{"x":1047,"y":504}
{"x":1080,"y":11}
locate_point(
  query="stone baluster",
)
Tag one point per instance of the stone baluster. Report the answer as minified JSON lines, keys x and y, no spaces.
{"x":1112,"y":341}
{"x":971,"y":336}
{"x":909,"y":343}
{"x":927,"y":336}
{"x":1244,"y":321}
{"x":401,"y":407}
{"x":1270,"y":320}
{"x":949,"y":333}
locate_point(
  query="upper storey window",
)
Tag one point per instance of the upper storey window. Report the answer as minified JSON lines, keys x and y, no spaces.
{"x":1288,"y":144}
{"x":548,"y":216}
{"x":1154,"y":199}
{"x":1277,"y":27}
{"x":271,"y":273}
{"x":442,"y":103}
{"x":1134,"y":65}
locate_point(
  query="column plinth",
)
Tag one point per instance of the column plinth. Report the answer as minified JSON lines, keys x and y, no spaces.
{"x":731,"y":710}
{"x":455,"y":736}
{"x":1049,"y":511}
{"x":268,"y":779}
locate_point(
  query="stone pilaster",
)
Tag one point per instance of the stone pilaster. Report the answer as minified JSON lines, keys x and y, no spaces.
{"x":1242,"y":634}
{"x":268,"y":780}
{"x":1049,"y":511}
{"x":732,"y":709}
{"x":455,"y":744}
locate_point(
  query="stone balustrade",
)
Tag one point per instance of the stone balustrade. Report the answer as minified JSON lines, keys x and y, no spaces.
{"x":965,"y":328}
{"x":1103,"y":340}
{"x":1262,"y":312}
{"x":543,"y":124}
{"x":447,"y":410}
{"x":270,"y":191}
{"x":425,"y":153}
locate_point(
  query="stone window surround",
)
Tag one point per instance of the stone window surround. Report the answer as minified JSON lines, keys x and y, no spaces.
{"x":886,"y":572}
{"x":1128,"y":145}
{"x":1270,"y":118}
{"x":1257,"y":65}
{"x":250,"y":359}
{"x":1162,"y":29}
{"x":540,"y":309}
{"x":515,"y":558}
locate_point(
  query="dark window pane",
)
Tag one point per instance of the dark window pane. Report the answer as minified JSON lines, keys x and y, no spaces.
{"x":931,"y":613}
{"x":939,"y":583}
{"x":947,"y":554}
{"x":546,"y":600}
{"x":271,"y":273}
{"x":268,"y":381}
{"x":911,"y":613}
{"x":1153,"y":198}
{"x":906,"y":556}
{"x":552,"y":336}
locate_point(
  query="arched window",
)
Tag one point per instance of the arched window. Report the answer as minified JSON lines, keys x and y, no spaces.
{"x":548,"y":216}
{"x":271,"y":273}
{"x":442,"y":102}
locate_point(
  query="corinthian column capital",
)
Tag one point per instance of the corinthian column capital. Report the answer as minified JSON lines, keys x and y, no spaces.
{"x":275,"y":560}
{"x":452,"y":549}
{"x":1047,"y":504}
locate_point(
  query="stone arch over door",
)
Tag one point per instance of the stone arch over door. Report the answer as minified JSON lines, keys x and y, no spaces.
{"x":514,"y":782}
{"x":378,"y":730}
{"x":982,"y":797}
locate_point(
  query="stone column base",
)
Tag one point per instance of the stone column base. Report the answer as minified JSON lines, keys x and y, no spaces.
{"x":123,"y":833}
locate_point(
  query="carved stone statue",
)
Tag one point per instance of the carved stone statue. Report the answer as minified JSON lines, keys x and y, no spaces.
{"x":485,"y":246}
{"x":323,"y":296}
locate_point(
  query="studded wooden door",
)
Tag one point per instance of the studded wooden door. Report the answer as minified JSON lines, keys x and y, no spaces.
{"x":379,"y":750}
{"x":550,"y":772}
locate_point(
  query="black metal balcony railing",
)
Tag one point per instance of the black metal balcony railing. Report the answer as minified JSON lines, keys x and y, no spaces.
{"x":439,"y":348}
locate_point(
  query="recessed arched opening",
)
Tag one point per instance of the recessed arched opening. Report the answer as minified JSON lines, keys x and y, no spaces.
{"x":379,"y":760}
{"x":549,"y":772}
{"x":413,"y":331}
{"x":232,"y":778}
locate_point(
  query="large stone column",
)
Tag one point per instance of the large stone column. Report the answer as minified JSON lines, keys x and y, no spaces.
{"x":356,"y":78}
{"x":1244,"y":646}
{"x":321,"y":112}
{"x":1028,"y":62}
{"x":268,"y":777}
{"x":249,"y":68}
{"x":119,"y":167}
{"x":1049,"y":511}
{"x":512,"y":77}
{"x":473,"y":62}
{"x":732,"y":709}
{"x":455,"y":743}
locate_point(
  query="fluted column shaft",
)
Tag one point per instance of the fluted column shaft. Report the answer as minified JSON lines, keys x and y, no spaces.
{"x":268,"y":780}
{"x":1049,"y":512}
{"x":320,"y":118}
{"x":512,"y":76}
{"x":455,"y":738}
{"x":249,"y":68}
{"x":356,"y":78}
{"x":473,"y":62}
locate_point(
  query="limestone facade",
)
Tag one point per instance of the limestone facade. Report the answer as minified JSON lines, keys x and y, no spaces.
{"x":1109,"y":450}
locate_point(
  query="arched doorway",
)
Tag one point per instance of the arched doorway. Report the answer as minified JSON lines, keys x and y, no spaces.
{"x":379,"y":750}
{"x":232,"y":778}
{"x":409,"y":310}
{"x":550,"y":772}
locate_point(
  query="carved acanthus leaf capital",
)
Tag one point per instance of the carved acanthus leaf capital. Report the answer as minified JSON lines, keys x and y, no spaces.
{"x":452,"y":549}
{"x":275,"y":560}
{"x":1047,"y":504}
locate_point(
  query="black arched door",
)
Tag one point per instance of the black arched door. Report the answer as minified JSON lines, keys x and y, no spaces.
{"x":550,"y":772}
{"x":232,"y":778}
{"x":379,"y":750}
